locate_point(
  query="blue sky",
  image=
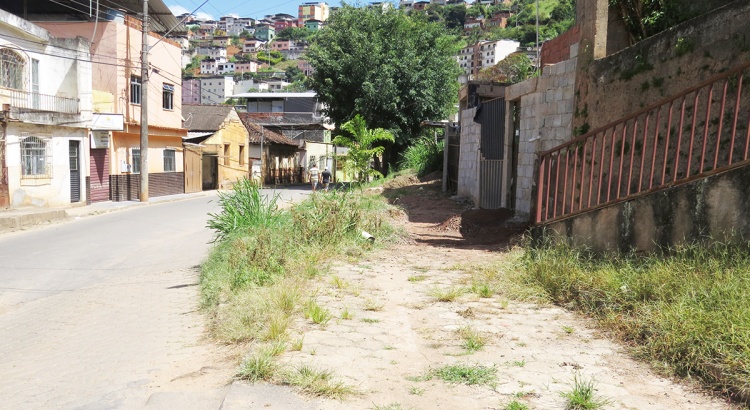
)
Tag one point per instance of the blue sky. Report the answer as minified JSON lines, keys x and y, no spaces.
{"x":243,"y":8}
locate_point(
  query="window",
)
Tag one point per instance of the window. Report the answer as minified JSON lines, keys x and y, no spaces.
{"x":136,"y":154}
{"x":167,"y":97}
{"x":35,"y":158}
{"x":169,"y":160}
{"x":11,"y":69}
{"x":135,"y":89}
{"x":227,"y":160}
{"x":242,"y":155}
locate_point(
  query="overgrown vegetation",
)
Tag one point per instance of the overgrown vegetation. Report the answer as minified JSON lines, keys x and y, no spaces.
{"x":256,"y":277}
{"x":686,"y":310}
{"x":424,"y":155}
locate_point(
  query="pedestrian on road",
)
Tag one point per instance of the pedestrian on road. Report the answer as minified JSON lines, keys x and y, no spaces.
{"x":326,"y":175}
{"x":314,"y":174}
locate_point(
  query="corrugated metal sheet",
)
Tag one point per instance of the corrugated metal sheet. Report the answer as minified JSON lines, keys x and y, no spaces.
{"x":492,"y":118}
{"x":491,"y":180}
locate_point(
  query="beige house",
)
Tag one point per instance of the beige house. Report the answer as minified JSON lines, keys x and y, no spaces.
{"x":223,"y":139}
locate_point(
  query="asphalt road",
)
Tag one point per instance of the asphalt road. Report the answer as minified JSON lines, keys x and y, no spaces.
{"x":98,"y":312}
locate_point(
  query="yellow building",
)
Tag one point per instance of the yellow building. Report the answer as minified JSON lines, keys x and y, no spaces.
{"x":312,"y":11}
{"x":223,"y":139}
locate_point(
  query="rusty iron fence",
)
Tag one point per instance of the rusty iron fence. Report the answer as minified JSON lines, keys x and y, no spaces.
{"x":699,"y":132}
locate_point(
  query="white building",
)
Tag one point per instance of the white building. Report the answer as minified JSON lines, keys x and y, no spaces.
{"x":225,"y":68}
{"x":483,"y":54}
{"x":245,"y":86}
{"x":46,"y":92}
{"x":212,"y":51}
{"x":216,"y":90}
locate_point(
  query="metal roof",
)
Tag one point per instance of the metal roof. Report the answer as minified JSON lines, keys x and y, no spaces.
{"x":275,"y":96}
{"x":161,"y":21}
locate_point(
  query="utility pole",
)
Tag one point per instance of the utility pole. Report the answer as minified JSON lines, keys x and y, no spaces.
{"x":538,"y":65}
{"x":262,"y":132}
{"x":144,"y":106}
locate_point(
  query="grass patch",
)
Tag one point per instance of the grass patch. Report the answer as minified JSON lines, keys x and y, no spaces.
{"x":261,"y":366}
{"x":369,"y":320}
{"x":473,"y":340}
{"x":346,"y":314}
{"x":446,"y":294}
{"x":515,"y":405}
{"x":317,"y":313}
{"x":482,"y":290}
{"x":416,"y":390}
{"x":297,"y":344}
{"x":467,"y":374}
{"x":416,"y":278}
{"x":317,"y":382}
{"x":255,"y":280}
{"x":583,"y":395}
{"x":373,"y":305}
{"x":685,"y":308}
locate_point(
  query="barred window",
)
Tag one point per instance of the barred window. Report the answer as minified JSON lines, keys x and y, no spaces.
{"x":169,"y":163}
{"x":135,"y":89}
{"x":136,"y":154}
{"x":11,"y":69}
{"x":35,"y":158}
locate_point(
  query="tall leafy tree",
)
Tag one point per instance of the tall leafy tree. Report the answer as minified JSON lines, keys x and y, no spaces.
{"x":362,"y":148}
{"x":393,"y":69}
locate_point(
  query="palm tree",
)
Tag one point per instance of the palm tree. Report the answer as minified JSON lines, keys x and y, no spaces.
{"x":361,"y":149}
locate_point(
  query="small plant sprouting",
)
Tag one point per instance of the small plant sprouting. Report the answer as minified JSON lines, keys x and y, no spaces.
{"x":373,"y":305}
{"x":369,"y":320}
{"x":583,"y":395}
{"x":316,"y":313}
{"x":346,"y":314}
{"x":446,"y":295}
{"x":515,"y":405}
{"x":416,"y":390}
{"x":416,"y":278}
{"x":297,"y":344}
{"x":473,"y":339}
{"x":567,"y":329}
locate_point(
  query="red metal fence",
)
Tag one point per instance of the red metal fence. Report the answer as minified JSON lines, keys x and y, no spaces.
{"x":701,"y":131}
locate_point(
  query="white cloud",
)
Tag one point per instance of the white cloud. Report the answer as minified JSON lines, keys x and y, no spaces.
{"x":177,"y":10}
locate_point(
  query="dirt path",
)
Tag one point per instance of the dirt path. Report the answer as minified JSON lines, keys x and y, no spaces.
{"x":398,"y":332}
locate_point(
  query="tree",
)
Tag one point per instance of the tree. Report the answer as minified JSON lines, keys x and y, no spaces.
{"x":393,"y":69}
{"x":361,"y":147}
{"x":294,"y":33}
{"x":512,"y":69}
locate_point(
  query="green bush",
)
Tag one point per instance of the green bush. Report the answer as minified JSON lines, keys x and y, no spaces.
{"x":425,"y":155}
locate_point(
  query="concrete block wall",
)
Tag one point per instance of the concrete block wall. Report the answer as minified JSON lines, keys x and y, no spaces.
{"x":547,"y":104}
{"x":468,"y":164}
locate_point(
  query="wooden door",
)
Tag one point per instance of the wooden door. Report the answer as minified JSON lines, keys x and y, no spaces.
{"x":193,"y":168}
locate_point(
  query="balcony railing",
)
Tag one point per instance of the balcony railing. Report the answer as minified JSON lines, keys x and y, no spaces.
{"x":36,"y":102}
{"x":701,"y":131}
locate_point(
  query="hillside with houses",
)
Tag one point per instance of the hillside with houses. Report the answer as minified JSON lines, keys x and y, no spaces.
{"x":233,"y":55}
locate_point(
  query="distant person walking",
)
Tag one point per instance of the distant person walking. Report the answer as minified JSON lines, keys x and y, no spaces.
{"x":326,"y":176}
{"x":314,"y":174}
